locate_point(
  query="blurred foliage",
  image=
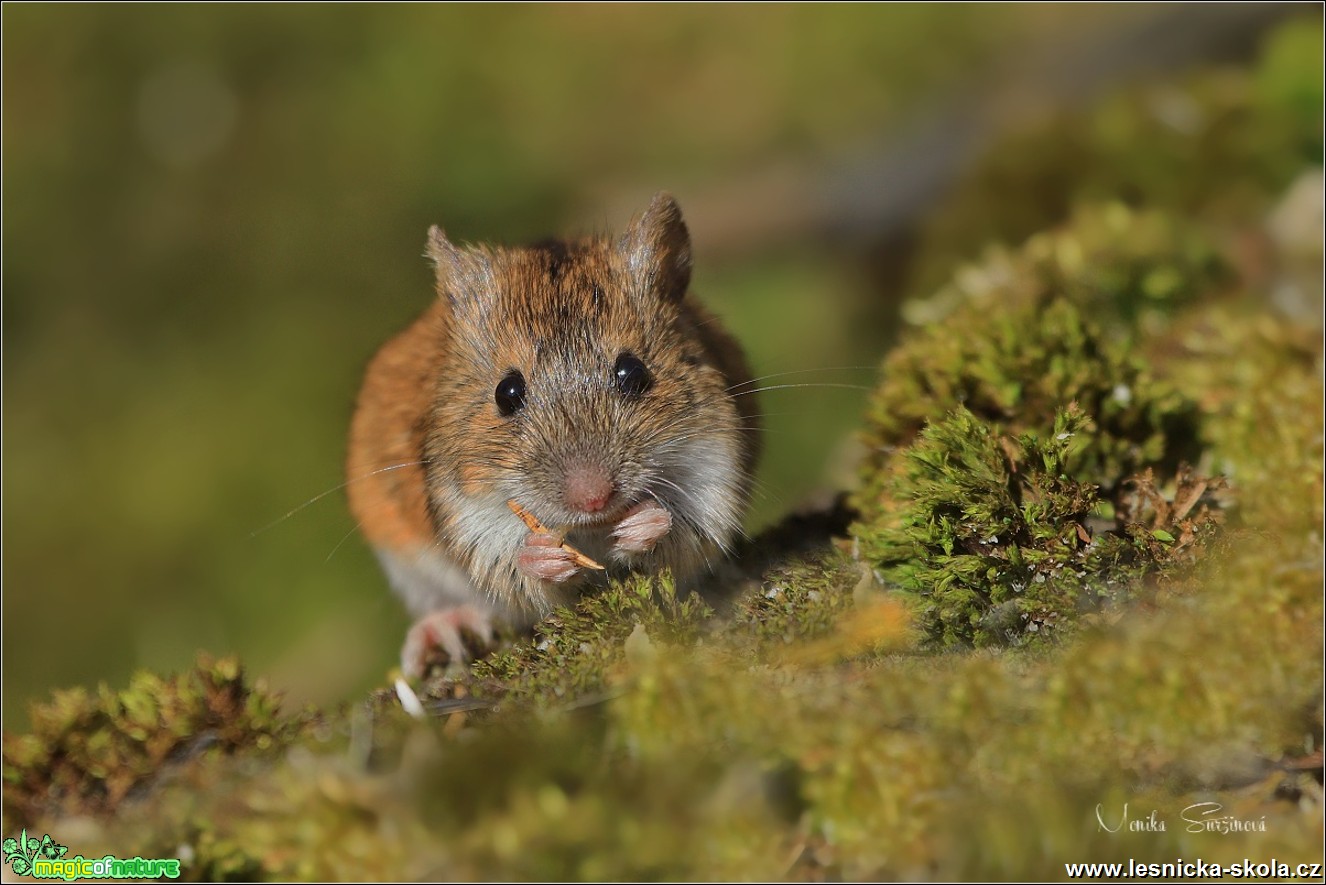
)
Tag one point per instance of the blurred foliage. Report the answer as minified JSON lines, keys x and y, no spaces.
{"x":1128,"y":270}
{"x":808,"y":733}
{"x":1219,"y":144}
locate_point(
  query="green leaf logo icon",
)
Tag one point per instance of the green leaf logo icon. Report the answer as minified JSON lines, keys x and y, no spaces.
{"x":20,"y":853}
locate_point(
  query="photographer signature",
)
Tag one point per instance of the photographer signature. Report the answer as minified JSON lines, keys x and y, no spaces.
{"x":1200,"y":817}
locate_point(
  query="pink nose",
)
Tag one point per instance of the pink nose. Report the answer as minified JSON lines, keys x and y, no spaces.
{"x":588,"y":488}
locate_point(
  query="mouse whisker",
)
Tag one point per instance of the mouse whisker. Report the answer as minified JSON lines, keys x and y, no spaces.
{"x":728,"y":524}
{"x":808,"y":384}
{"x":331,"y":491}
{"x":689,"y":497}
{"x":685,"y":534}
{"x":344,"y":538}
{"x":668,"y":432}
{"x":760,"y":378}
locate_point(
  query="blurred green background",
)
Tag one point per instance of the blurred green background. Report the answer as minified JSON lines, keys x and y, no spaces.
{"x":214,"y":214}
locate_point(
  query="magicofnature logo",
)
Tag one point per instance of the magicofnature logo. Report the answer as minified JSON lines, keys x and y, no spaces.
{"x":44,"y":858}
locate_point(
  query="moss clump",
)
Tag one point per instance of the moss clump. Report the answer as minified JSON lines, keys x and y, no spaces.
{"x":797,"y":601}
{"x":575,"y":650}
{"x":995,"y":533}
{"x":1015,"y":369}
{"x":1008,"y":441}
{"x":86,"y":753}
{"x":1257,"y":378}
{"x":1016,"y":366}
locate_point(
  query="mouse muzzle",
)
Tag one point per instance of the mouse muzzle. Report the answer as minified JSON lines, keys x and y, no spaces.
{"x":587,"y":488}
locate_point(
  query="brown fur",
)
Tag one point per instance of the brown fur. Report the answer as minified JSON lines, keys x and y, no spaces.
{"x":388,"y":429}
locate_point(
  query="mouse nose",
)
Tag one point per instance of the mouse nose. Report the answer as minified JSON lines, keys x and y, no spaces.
{"x":588,"y":488}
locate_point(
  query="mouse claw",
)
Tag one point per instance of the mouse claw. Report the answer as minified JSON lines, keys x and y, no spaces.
{"x":446,"y":629}
{"x":544,"y":558}
{"x":643,"y":526}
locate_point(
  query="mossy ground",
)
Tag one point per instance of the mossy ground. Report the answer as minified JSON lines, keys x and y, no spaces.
{"x":870,"y":709}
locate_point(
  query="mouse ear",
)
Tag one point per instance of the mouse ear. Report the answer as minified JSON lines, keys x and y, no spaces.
{"x":462,"y":274}
{"x":657,"y":248}
{"x":439,"y":251}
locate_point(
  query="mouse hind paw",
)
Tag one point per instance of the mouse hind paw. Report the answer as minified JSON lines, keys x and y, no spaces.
{"x":457,"y":632}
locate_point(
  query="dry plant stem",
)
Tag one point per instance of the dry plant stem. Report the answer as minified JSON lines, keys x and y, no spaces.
{"x":535,"y":526}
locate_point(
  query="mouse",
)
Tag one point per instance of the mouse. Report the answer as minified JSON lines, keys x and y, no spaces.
{"x":560,"y":412}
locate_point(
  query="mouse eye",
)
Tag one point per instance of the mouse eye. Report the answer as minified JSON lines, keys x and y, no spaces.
{"x":510,"y":393}
{"x":632,"y":377}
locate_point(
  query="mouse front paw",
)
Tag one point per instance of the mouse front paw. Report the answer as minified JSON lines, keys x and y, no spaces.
{"x":643,"y":526}
{"x":446,"y":629}
{"x":544,"y":558}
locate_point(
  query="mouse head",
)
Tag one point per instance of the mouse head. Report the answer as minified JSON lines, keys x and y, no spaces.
{"x":581,"y":380}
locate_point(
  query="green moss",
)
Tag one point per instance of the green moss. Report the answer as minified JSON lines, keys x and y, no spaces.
{"x":1029,"y":342}
{"x":971,"y":764}
{"x":1015,"y":443}
{"x":87,"y":753}
{"x":1005,"y":539}
{"x":1015,"y":369}
{"x":1257,"y":379}
{"x":575,"y":650}
{"x":559,"y":799}
{"x":798,"y":601}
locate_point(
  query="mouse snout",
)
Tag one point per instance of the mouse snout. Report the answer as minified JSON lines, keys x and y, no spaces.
{"x":588,"y":488}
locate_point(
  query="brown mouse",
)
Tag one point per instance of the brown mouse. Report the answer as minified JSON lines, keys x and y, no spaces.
{"x":579,"y":379}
